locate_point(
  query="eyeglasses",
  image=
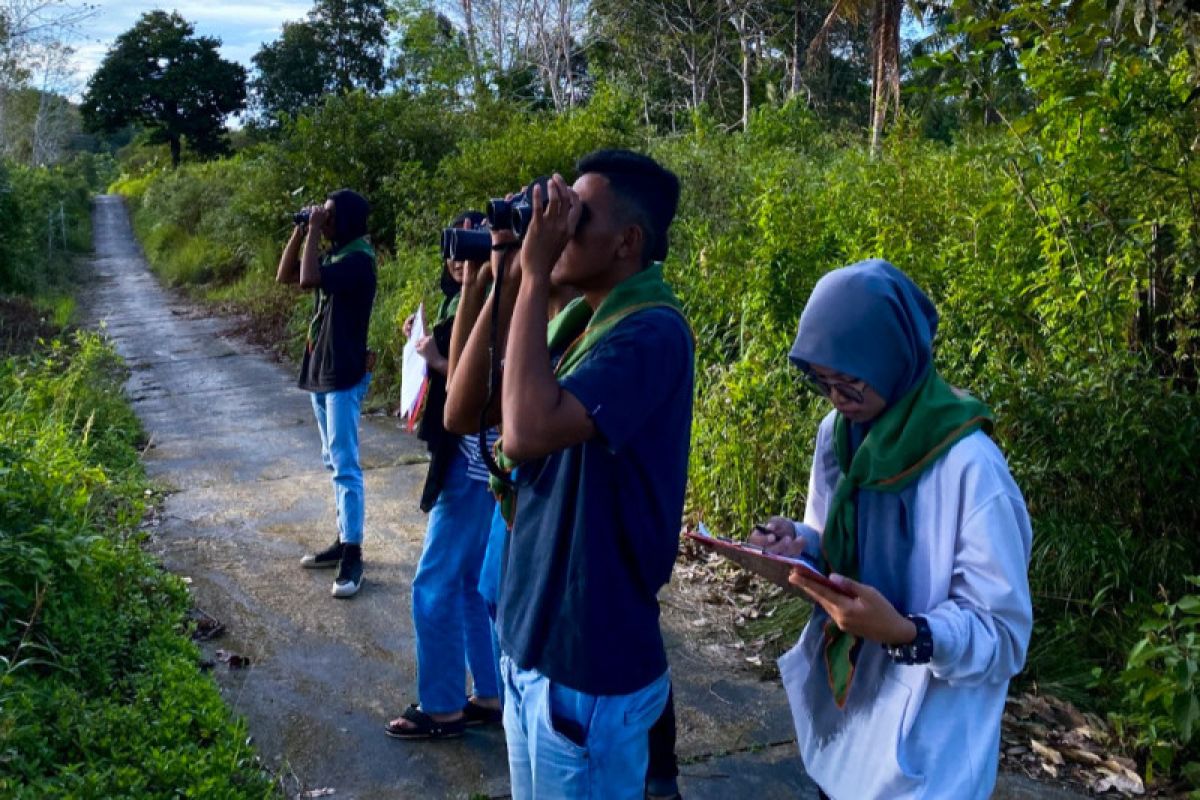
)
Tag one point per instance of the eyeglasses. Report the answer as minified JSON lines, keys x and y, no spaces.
{"x":851,"y":390}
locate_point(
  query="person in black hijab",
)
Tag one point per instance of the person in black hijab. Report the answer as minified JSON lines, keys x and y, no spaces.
{"x":335,"y":368}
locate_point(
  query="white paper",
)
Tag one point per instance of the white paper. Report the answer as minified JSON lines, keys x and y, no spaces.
{"x":412,"y":376}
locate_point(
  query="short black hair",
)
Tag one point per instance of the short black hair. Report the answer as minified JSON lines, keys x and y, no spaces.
{"x":647,"y":191}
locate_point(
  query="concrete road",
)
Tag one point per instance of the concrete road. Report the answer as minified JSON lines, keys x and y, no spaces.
{"x":235,"y":441}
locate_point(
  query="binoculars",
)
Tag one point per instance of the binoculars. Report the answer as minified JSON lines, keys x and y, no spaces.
{"x":502,"y":215}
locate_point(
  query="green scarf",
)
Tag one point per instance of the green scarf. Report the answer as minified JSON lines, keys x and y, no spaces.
{"x":576,"y":331}
{"x":902,"y":443}
{"x":447,"y":309}
{"x":359,"y":245}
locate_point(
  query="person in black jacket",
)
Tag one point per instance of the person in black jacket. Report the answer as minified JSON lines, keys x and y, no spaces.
{"x":335,"y":368}
{"x":453,"y":629}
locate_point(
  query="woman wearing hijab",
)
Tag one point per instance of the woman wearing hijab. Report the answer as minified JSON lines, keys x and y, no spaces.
{"x":453,"y":629}
{"x":335,"y":369}
{"x":898,"y":684}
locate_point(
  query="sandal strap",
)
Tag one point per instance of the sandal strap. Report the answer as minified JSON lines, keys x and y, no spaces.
{"x":427,"y":724}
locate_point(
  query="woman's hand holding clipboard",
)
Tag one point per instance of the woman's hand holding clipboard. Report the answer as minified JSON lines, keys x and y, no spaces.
{"x":775,"y":567}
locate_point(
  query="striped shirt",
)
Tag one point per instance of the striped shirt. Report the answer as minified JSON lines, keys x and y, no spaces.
{"x":469,"y":446}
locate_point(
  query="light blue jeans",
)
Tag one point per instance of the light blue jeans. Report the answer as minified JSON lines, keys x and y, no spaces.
{"x":564,"y":744}
{"x":454,"y":632}
{"x":337,"y":419}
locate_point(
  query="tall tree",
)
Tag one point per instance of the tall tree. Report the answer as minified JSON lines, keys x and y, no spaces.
{"x":35,"y":68}
{"x":354,"y":38}
{"x":159,"y":74}
{"x":340,"y":47}
{"x":885,"y":53}
{"x":434,"y":57}
{"x":290,"y":75}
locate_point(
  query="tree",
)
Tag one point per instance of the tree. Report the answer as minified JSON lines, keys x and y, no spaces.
{"x":35,"y":71}
{"x":434,"y":58}
{"x":290,"y":72}
{"x":885,"y":54}
{"x":354,"y":38}
{"x":159,"y":74}
{"x":340,"y":47}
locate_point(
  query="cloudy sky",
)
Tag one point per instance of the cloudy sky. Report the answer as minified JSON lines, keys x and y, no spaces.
{"x":242,"y":27}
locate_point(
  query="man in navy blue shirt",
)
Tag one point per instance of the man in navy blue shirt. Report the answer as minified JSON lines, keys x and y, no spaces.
{"x":602,"y":440}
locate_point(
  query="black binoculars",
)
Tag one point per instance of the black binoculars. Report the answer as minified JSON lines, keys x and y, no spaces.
{"x":502,"y":215}
{"x":459,"y":244}
{"x":515,"y":214}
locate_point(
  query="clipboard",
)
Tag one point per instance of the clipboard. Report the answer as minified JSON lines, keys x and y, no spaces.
{"x":772,"y":566}
{"x":414,"y":380}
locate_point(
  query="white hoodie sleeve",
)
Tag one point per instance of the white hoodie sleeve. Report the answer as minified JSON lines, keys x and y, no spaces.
{"x":981,"y":631}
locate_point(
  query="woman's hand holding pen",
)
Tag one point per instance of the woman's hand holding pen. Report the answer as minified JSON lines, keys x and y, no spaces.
{"x":778,"y":535}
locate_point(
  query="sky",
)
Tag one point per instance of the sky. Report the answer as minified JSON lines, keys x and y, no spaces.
{"x":243,"y":26}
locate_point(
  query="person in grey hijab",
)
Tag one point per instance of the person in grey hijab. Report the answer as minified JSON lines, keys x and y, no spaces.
{"x":898,"y":682}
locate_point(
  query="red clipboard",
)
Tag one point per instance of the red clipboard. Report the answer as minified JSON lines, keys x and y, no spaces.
{"x":773,"y":567}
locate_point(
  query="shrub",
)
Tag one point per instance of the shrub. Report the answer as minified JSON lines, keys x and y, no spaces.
{"x":1162,"y":697}
{"x":99,"y":691}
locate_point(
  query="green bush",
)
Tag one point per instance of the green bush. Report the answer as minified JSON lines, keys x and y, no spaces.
{"x":99,"y":691}
{"x":1162,"y":690}
{"x":47,"y":218}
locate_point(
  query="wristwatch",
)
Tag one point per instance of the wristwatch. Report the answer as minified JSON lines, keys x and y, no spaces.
{"x":919,"y":650}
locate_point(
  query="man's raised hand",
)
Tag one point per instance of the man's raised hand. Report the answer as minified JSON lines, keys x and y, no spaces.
{"x":554,"y":219}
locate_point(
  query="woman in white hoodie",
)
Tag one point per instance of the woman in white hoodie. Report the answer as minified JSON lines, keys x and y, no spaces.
{"x":898,"y":682}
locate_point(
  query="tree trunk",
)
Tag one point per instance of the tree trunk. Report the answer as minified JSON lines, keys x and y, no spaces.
{"x":885,"y":66}
{"x":794,"y":89}
{"x":744,"y":38}
{"x":175,"y":150}
{"x":468,"y":9}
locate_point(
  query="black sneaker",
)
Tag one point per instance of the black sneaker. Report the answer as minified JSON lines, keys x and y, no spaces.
{"x":350,"y":572}
{"x":328,"y":558}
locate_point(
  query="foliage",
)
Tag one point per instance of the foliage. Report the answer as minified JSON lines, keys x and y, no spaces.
{"x":1161,"y":688}
{"x":47,"y":217}
{"x":433,"y":55}
{"x":99,"y":692}
{"x":160,"y":75}
{"x":289,"y":76}
{"x":339,"y":48}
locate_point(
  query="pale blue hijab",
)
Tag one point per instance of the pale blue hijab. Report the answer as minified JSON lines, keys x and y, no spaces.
{"x":868,"y":321}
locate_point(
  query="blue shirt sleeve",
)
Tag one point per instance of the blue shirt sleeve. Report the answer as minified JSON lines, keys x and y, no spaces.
{"x":632,"y":372}
{"x":354,"y":272}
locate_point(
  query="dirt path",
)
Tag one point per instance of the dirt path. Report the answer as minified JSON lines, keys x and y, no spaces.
{"x":235,"y":441}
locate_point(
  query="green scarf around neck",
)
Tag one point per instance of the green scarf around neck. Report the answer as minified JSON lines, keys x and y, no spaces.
{"x":359,"y":245}
{"x":575,"y":331}
{"x":446,"y":309}
{"x":904,"y":441}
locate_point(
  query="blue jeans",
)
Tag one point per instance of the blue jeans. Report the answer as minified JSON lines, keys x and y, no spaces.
{"x":454,"y":632}
{"x":563,"y":743}
{"x":337,"y":419}
{"x":489,"y":575}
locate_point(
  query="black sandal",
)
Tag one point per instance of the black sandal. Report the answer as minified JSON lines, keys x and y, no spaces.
{"x":476,"y":714}
{"x":424,"y":726}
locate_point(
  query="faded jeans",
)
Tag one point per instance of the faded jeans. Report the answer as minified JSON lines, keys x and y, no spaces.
{"x":337,"y":416}
{"x":566,"y":744}
{"x":454,"y":632}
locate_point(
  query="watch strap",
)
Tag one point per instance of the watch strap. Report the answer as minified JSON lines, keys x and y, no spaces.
{"x":919,"y":650}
